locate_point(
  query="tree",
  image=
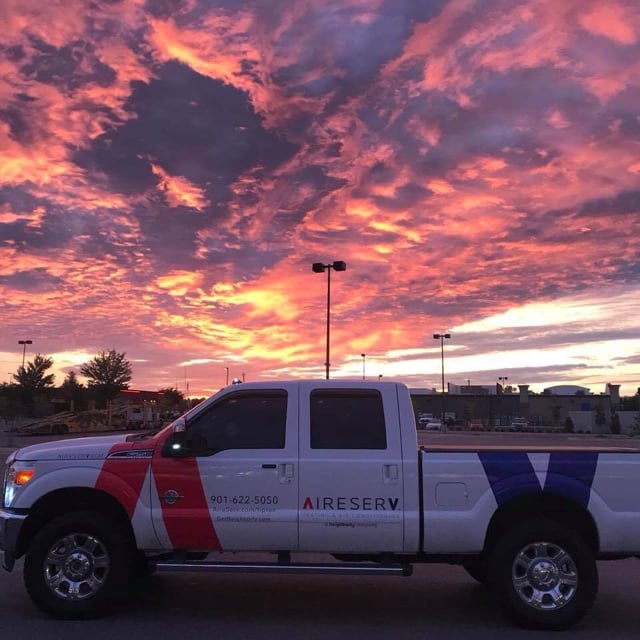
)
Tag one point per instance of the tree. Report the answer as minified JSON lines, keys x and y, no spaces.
{"x":172,"y":399}
{"x":616,"y":427}
{"x":34,"y":376}
{"x":72,"y":390}
{"x":600,"y":417}
{"x":108,"y":374}
{"x":556,"y":414}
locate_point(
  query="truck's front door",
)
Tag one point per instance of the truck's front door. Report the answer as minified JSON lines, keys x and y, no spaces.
{"x":351,"y":473}
{"x":240,"y":491}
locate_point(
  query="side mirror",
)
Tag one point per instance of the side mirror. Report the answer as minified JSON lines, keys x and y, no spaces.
{"x":180,"y":425}
{"x":181,"y":444}
{"x":177,"y":445}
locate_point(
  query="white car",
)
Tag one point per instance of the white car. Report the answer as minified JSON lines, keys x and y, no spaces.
{"x":434,"y":425}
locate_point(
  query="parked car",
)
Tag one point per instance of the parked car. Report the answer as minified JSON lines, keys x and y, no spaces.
{"x":424,"y":419}
{"x":435,"y":425}
{"x":476,"y":425}
{"x":519,"y":424}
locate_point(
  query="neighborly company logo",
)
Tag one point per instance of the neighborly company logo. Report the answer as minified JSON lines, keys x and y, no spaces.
{"x":343,"y":503}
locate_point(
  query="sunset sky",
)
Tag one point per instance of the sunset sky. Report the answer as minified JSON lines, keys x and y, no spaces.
{"x":169,"y":170}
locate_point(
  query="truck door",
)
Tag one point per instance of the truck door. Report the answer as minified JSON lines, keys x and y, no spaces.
{"x":241,"y":490}
{"x":351,"y":474}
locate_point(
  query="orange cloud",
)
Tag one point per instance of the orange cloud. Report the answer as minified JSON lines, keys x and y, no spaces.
{"x":180,"y":191}
{"x":611,"y":21}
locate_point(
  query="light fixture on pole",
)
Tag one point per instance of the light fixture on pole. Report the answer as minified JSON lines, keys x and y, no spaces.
{"x":364,"y":355}
{"x":319,"y":267}
{"x":24,"y":344}
{"x":442,"y":337}
{"x":502,"y":380}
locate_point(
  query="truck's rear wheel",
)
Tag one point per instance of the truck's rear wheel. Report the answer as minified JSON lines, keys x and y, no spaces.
{"x":77,"y":566}
{"x":543,"y":575}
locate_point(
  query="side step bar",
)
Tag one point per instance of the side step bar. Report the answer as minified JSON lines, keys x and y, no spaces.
{"x":343,"y":568}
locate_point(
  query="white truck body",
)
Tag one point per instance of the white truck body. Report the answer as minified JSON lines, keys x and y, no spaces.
{"x":320,"y":467}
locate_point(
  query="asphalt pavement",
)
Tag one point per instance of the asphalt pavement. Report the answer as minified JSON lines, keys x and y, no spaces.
{"x":437,"y":602}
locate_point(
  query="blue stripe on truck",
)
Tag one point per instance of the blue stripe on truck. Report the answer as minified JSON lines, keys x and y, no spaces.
{"x":511,"y":474}
{"x":571,"y":475}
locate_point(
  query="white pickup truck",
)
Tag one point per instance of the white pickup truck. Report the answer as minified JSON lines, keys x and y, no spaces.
{"x":331,"y":467}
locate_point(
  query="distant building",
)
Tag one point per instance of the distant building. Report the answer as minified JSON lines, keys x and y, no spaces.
{"x":588,"y":412}
{"x":567,"y":390}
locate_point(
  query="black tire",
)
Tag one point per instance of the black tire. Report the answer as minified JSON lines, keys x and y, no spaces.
{"x":77,"y":566}
{"x":477,"y":569}
{"x":543,"y":575}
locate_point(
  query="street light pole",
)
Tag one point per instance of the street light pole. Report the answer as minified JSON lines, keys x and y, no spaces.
{"x":364,"y":355}
{"x":227,"y":377}
{"x":441,"y":337}
{"x":319,"y":267}
{"x":24,"y":344}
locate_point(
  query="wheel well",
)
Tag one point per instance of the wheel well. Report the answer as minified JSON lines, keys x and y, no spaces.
{"x":68,"y":500}
{"x":558,"y":508}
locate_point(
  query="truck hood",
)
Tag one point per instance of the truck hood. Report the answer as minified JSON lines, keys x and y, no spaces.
{"x":93,"y":448}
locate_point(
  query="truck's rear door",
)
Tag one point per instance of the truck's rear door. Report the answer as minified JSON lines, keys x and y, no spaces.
{"x":351,"y":472}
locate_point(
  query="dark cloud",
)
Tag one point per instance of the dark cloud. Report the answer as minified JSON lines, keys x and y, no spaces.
{"x":170,"y":233}
{"x":621,"y":204}
{"x":355,"y":43}
{"x":32,"y":281}
{"x":31,"y":238}
{"x":166,"y":8}
{"x":68,"y":67}
{"x":19,"y":126}
{"x":406,"y":196}
{"x":19,"y":199}
{"x":192,"y":126}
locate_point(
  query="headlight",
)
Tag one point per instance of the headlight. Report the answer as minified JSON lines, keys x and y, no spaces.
{"x":16,"y":476}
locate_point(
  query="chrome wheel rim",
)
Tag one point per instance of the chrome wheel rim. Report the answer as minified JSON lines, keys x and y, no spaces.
{"x":545,"y":576}
{"x":76,"y":566}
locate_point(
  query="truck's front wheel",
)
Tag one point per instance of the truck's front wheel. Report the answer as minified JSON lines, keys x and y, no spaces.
{"x":77,"y":566}
{"x":543,"y":575}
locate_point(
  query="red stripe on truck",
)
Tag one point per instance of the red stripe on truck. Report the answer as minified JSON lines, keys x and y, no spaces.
{"x":123,"y":477}
{"x":187,"y":521}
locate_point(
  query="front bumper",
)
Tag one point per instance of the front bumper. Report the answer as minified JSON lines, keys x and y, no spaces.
{"x":10,"y":526}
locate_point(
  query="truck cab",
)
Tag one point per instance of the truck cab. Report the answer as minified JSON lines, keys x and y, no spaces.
{"x":297,"y":466}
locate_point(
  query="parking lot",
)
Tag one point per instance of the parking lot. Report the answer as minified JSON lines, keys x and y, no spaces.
{"x":438,"y":601}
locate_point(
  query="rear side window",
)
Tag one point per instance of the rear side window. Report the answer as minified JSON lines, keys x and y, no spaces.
{"x":347,"y":419}
{"x":245,"y":420}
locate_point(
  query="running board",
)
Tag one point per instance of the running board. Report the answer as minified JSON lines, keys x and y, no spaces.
{"x":290,"y":567}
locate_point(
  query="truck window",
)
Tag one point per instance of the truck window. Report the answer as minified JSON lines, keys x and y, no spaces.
{"x":347,"y":419}
{"x":245,"y":420}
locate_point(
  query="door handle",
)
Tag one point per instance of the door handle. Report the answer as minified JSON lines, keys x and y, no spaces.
{"x":269,"y":466}
{"x":286,"y":473}
{"x":390,"y":473}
